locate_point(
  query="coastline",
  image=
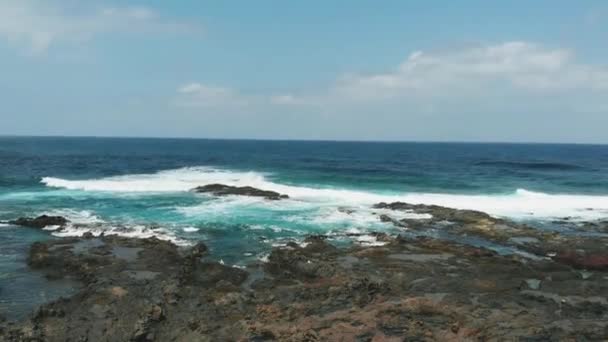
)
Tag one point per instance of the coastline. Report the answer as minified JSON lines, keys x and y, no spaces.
{"x":414,"y":288}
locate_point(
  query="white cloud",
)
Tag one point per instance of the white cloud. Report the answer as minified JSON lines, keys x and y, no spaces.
{"x":467,"y":73}
{"x":41,"y":24}
{"x":474,"y":79}
{"x":287,"y":99}
{"x":205,"y":96}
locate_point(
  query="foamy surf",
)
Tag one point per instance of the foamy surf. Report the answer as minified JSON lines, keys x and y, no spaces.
{"x":521,"y":204}
{"x":178,"y":180}
{"x":84,"y":221}
{"x":138,"y":232}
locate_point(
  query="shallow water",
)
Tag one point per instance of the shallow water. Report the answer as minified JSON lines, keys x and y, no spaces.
{"x":20,"y":289}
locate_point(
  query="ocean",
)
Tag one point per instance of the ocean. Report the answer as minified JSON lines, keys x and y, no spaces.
{"x":141,"y":187}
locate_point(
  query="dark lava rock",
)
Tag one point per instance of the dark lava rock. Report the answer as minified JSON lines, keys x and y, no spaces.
{"x":40,"y":221}
{"x":410,"y":289}
{"x":224,"y":190}
{"x":438,"y":212}
{"x":305,"y":262}
{"x":199,"y":250}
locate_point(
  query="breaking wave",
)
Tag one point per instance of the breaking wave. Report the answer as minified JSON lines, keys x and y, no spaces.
{"x":519,"y":204}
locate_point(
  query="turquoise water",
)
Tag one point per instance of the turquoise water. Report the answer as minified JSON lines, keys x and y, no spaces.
{"x":140,"y":188}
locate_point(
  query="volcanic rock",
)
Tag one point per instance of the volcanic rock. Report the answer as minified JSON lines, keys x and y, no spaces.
{"x":40,"y":221}
{"x":225,"y":190}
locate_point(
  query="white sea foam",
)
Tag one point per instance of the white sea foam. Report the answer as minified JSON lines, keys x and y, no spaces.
{"x":264,"y":257}
{"x":136,"y":231}
{"x":165,"y":181}
{"x":369,"y":240}
{"x":408,"y":215}
{"x":353,"y":231}
{"x":190,"y":229}
{"x":81,"y":217}
{"x":331,"y":216}
{"x":520,"y":204}
{"x":85,"y":221}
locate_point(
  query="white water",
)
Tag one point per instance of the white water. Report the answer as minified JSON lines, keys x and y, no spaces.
{"x":520,"y":204}
{"x":84,"y":221}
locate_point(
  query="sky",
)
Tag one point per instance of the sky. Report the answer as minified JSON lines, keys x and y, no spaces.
{"x":471,"y":70}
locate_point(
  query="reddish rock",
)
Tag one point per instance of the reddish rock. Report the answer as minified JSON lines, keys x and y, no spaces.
{"x":591,"y":261}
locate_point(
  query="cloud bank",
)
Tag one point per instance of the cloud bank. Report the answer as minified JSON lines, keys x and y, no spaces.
{"x":38,"y":24}
{"x":467,"y":74}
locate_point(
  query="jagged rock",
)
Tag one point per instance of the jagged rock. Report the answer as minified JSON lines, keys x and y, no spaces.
{"x":469,"y":223}
{"x":40,"y":221}
{"x":386,"y":218}
{"x":303,"y":262}
{"x":224,"y":190}
{"x":438,"y":212}
{"x":409,"y":289}
{"x":199,"y":250}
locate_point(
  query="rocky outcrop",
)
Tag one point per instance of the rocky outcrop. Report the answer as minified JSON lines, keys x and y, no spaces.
{"x":579,"y":251}
{"x":40,"y":221}
{"x":296,"y":262}
{"x":419,"y":289}
{"x":224,"y":190}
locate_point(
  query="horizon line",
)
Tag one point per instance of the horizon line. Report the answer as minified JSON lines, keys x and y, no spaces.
{"x":302,"y":140}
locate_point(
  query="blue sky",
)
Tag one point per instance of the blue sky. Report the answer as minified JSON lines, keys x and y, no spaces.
{"x":346,"y":70}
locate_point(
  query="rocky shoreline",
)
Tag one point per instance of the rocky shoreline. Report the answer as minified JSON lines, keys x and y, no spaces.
{"x":408,"y":289}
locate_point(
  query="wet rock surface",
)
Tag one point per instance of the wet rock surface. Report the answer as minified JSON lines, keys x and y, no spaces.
{"x":580,"y":251}
{"x":224,"y":190}
{"x":40,"y":221}
{"x":409,"y":289}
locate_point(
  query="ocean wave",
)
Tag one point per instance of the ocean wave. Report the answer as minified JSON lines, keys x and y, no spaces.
{"x":519,"y":204}
{"x":178,"y":180}
{"x":80,"y":217}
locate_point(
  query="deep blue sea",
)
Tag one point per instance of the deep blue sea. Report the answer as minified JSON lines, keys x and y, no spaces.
{"x":140,"y":187}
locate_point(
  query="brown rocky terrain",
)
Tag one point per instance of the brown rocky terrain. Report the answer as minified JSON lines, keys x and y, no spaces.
{"x":410,"y":289}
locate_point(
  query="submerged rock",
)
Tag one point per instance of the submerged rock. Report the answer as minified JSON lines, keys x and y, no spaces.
{"x":224,"y":190}
{"x":40,"y":221}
